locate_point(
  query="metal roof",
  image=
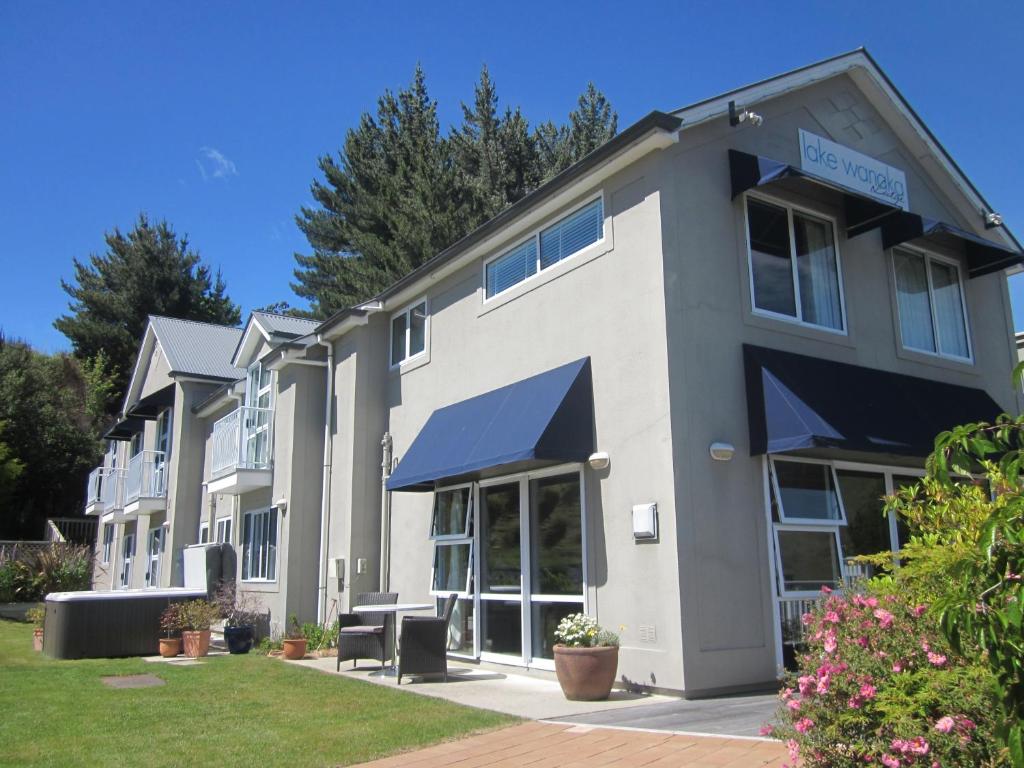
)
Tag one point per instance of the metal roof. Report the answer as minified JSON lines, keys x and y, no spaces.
{"x":284,"y":325}
{"x":197,"y":349}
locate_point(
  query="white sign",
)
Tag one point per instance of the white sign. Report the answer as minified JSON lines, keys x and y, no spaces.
{"x":853,"y":170}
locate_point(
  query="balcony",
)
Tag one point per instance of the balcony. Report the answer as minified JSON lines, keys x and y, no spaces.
{"x":105,"y":491}
{"x":146,"y":483}
{"x":242,"y":444}
{"x":93,"y":494}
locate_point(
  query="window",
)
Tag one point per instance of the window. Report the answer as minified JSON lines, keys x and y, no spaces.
{"x":409,"y":333}
{"x":154,"y":548}
{"x":930,"y":298}
{"x":163,"y":452}
{"x":108,"y":542}
{"x":127,"y":553}
{"x":224,"y":530}
{"x":259,"y":545}
{"x":806,"y":492}
{"x":451,"y":528}
{"x":794,"y":266}
{"x":204,"y":533}
{"x":546,"y":248}
{"x":257,"y":416}
{"x":808,"y":558}
{"x":135,"y":446}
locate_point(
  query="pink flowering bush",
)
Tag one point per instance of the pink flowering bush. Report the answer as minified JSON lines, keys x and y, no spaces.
{"x":879,"y":686}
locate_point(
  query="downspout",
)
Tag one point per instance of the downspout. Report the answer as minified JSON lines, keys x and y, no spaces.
{"x":325,"y":499}
{"x":385,"y":515}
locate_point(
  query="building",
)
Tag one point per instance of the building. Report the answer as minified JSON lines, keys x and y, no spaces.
{"x":668,"y":388}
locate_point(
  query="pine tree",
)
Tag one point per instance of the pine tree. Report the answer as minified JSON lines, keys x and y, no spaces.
{"x":386,"y":203}
{"x":590,"y":125}
{"x":149,"y":270}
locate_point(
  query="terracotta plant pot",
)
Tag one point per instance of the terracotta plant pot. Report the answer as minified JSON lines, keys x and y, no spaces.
{"x":586,"y":674}
{"x":170,"y":647}
{"x":37,"y":639}
{"x":295,"y":649}
{"x":196,"y":643}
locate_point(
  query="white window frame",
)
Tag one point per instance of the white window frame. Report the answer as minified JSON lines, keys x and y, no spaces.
{"x":811,"y":521}
{"x":535,"y":236}
{"x":463,"y":593}
{"x":224,"y":522}
{"x":273,"y":512}
{"x":108,"y":543}
{"x":407,"y":311}
{"x":832,"y":530}
{"x":470,"y":507}
{"x":929,"y":257}
{"x":790,"y":209}
{"x":525,"y":597}
{"x":153,"y":562}
{"x":127,"y":560}
{"x":204,"y":528}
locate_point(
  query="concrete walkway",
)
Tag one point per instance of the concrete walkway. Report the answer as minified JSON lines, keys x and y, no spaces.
{"x":546,"y":745}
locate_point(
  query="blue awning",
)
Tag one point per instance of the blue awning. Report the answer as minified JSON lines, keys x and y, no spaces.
{"x":545,"y":418}
{"x":795,"y":402}
{"x":748,"y":171}
{"x":983,"y":256}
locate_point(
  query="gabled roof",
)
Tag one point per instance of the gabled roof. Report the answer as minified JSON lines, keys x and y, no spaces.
{"x":272,"y":328}
{"x":197,"y":349}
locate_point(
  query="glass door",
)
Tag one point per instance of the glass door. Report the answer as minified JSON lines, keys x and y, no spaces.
{"x":127,"y":551}
{"x":501,"y":572}
{"x":257,"y":416}
{"x":154,"y":547}
{"x":163,"y":449}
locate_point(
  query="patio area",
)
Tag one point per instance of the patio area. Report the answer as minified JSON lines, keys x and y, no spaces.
{"x":537,"y":696}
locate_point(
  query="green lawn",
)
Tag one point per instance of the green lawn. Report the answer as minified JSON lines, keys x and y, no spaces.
{"x":231,"y":710}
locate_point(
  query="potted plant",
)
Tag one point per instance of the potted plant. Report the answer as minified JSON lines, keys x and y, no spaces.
{"x":240,"y":618}
{"x":36,"y":615}
{"x":294,"y":641}
{"x":170,"y":623}
{"x":196,"y":618}
{"x":586,"y":658}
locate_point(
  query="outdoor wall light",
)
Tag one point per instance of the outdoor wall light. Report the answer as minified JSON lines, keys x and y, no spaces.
{"x":992,"y":219}
{"x":737,"y":116}
{"x":282,"y":505}
{"x":721,"y":451}
{"x":599,"y":460}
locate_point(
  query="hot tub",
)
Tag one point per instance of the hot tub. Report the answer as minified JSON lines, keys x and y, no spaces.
{"x":126,"y":622}
{"x":88,"y":625}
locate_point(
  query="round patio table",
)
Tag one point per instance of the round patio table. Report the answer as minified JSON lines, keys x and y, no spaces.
{"x":394,"y":608}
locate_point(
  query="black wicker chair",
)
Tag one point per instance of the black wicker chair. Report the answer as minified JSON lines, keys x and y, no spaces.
{"x":423,"y":645}
{"x":366,"y":635}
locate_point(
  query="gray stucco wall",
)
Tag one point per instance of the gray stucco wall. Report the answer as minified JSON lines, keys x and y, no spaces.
{"x":728,"y":635}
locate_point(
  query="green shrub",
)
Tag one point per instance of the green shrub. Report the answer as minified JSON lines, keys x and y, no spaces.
{"x":880,"y":685}
{"x":320,"y":637}
{"x":197,"y":615}
{"x":59,"y":568}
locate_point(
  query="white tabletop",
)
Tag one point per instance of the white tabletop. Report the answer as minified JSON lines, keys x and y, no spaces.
{"x":393,"y":608}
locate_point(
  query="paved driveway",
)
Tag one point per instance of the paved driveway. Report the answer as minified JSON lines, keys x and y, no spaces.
{"x":547,"y":745}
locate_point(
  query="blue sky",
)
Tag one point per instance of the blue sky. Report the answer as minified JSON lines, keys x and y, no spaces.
{"x":212,"y":115}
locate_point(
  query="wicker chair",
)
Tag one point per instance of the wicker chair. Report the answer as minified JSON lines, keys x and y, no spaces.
{"x":366,"y":635}
{"x":423,"y":646}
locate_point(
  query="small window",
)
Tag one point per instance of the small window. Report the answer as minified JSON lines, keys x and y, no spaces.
{"x":409,"y":333}
{"x":204,"y":533}
{"x":452,"y":530}
{"x":453,"y":511}
{"x":794,"y":266}
{"x":108,"y":542}
{"x":135,"y":446}
{"x":224,"y":530}
{"x":259,"y":545}
{"x":546,"y":248}
{"x":452,"y":563}
{"x":806,"y":492}
{"x":930,"y":297}
{"x":808,"y":559}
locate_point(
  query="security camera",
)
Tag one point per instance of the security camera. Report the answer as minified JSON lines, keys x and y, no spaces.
{"x":993,"y":220}
{"x":737,"y":116}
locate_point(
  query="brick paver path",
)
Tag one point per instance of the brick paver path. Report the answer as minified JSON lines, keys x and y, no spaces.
{"x":548,"y":745}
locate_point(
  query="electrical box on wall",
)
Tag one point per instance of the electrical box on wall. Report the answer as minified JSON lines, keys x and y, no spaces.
{"x":645,"y":521}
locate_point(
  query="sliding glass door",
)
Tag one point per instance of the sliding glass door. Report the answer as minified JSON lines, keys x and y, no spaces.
{"x":530,"y":563}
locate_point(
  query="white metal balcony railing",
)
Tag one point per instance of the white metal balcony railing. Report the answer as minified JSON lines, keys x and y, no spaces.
{"x":111,"y":482}
{"x":95,"y":482}
{"x":147,"y":476}
{"x":242,"y":440}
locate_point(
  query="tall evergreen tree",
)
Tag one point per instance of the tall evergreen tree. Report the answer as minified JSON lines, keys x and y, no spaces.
{"x":149,"y":270}
{"x":386,"y":203}
{"x":399,"y":192}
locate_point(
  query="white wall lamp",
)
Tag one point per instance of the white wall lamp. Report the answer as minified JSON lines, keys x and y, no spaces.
{"x":992,"y":219}
{"x":599,"y":460}
{"x":722,"y":451}
{"x":737,"y":116}
{"x":282,"y":506}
